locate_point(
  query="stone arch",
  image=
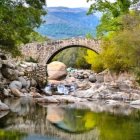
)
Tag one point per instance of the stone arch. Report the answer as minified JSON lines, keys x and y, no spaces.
{"x":48,"y":60}
{"x":43,"y":52}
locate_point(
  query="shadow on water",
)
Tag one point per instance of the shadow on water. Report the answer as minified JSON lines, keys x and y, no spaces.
{"x":30,"y":121}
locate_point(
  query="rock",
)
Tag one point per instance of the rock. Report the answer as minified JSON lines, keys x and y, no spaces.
{"x":35,"y":95}
{"x":112,"y":102}
{"x":30,"y":64}
{"x":100,"y":78}
{"x":60,"y":99}
{"x":136,"y":102}
{"x":3,"y":106}
{"x":23,"y":90}
{"x":16,"y":85}
{"x":47,"y":90}
{"x":6,"y":92}
{"x":9,"y":73}
{"x":3,"y":113}
{"x":47,"y":100}
{"x":83,"y":85}
{"x":7,"y":63}
{"x":80,"y":76}
{"x":84,"y":93}
{"x":23,"y":81}
{"x":28,"y":84}
{"x":92,"y":78}
{"x":56,"y":70}
{"x":16,"y":92}
{"x":54,"y":82}
{"x":33,"y":83}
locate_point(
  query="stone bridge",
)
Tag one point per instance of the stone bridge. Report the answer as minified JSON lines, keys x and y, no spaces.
{"x":44,"y":52}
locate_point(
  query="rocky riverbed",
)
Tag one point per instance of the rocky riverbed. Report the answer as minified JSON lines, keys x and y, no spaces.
{"x":64,"y":85}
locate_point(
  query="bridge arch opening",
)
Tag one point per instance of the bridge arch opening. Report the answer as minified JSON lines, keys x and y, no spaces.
{"x":67,"y":47}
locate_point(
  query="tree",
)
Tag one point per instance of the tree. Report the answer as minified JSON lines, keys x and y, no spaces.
{"x":120,"y":49}
{"x":18,"y":19}
{"x":111,"y":13}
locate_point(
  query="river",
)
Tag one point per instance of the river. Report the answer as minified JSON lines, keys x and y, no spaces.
{"x":27,"y":120}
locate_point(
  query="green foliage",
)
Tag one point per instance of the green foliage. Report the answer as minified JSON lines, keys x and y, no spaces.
{"x":111,"y":13}
{"x":73,"y":57}
{"x":120,"y":32}
{"x":8,"y":135}
{"x":89,"y":36}
{"x":121,"y":50}
{"x":36,"y":37}
{"x":18,"y":20}
{"x":94,"y":60}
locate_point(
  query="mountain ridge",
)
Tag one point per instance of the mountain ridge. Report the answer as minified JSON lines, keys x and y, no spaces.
{"x":64,"y":22}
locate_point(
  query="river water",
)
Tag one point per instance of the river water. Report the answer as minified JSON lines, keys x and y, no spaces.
{"x":30,"y":121}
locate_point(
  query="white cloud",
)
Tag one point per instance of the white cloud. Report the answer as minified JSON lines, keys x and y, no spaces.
{"x":67,"y":3}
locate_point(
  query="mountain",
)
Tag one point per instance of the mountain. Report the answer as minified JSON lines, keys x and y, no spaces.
{"x":63,"y":22}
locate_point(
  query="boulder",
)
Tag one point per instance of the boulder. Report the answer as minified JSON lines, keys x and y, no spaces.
{"x":16,"y":85}
{"x":56,"y":70}
{"x":23,"y":81}
{"x":92,"y":78}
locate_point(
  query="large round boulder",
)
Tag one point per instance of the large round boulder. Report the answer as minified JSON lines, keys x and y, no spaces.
{"x":56,"y":70}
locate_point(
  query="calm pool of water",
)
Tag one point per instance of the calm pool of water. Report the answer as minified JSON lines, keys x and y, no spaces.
{"x":30,"y":121}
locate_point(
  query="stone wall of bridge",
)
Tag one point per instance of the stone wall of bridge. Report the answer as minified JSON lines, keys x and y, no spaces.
{"x":43,"y":52}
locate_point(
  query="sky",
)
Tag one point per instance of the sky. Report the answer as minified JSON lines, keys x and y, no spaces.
{"x":67,"y":3}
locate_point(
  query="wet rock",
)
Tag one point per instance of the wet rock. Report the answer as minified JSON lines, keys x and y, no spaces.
{"x":137,"y":102}
{"x":56,"y":70}
{"x":62,"y":89}
{"x":16,"y":92}
{"x":60,"y":99}
{"x":3,"y":106}
{"x":112,"y":102}
{"x":47,"y":100}
{"x":35,"y":95}
{"x":47,"y":90}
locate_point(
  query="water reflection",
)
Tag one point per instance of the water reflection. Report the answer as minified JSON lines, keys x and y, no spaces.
{"x":71,"y":119}
{"x":30,"y":121}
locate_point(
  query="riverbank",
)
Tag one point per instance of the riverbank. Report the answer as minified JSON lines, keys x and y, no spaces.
{"x":64,"y":85}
